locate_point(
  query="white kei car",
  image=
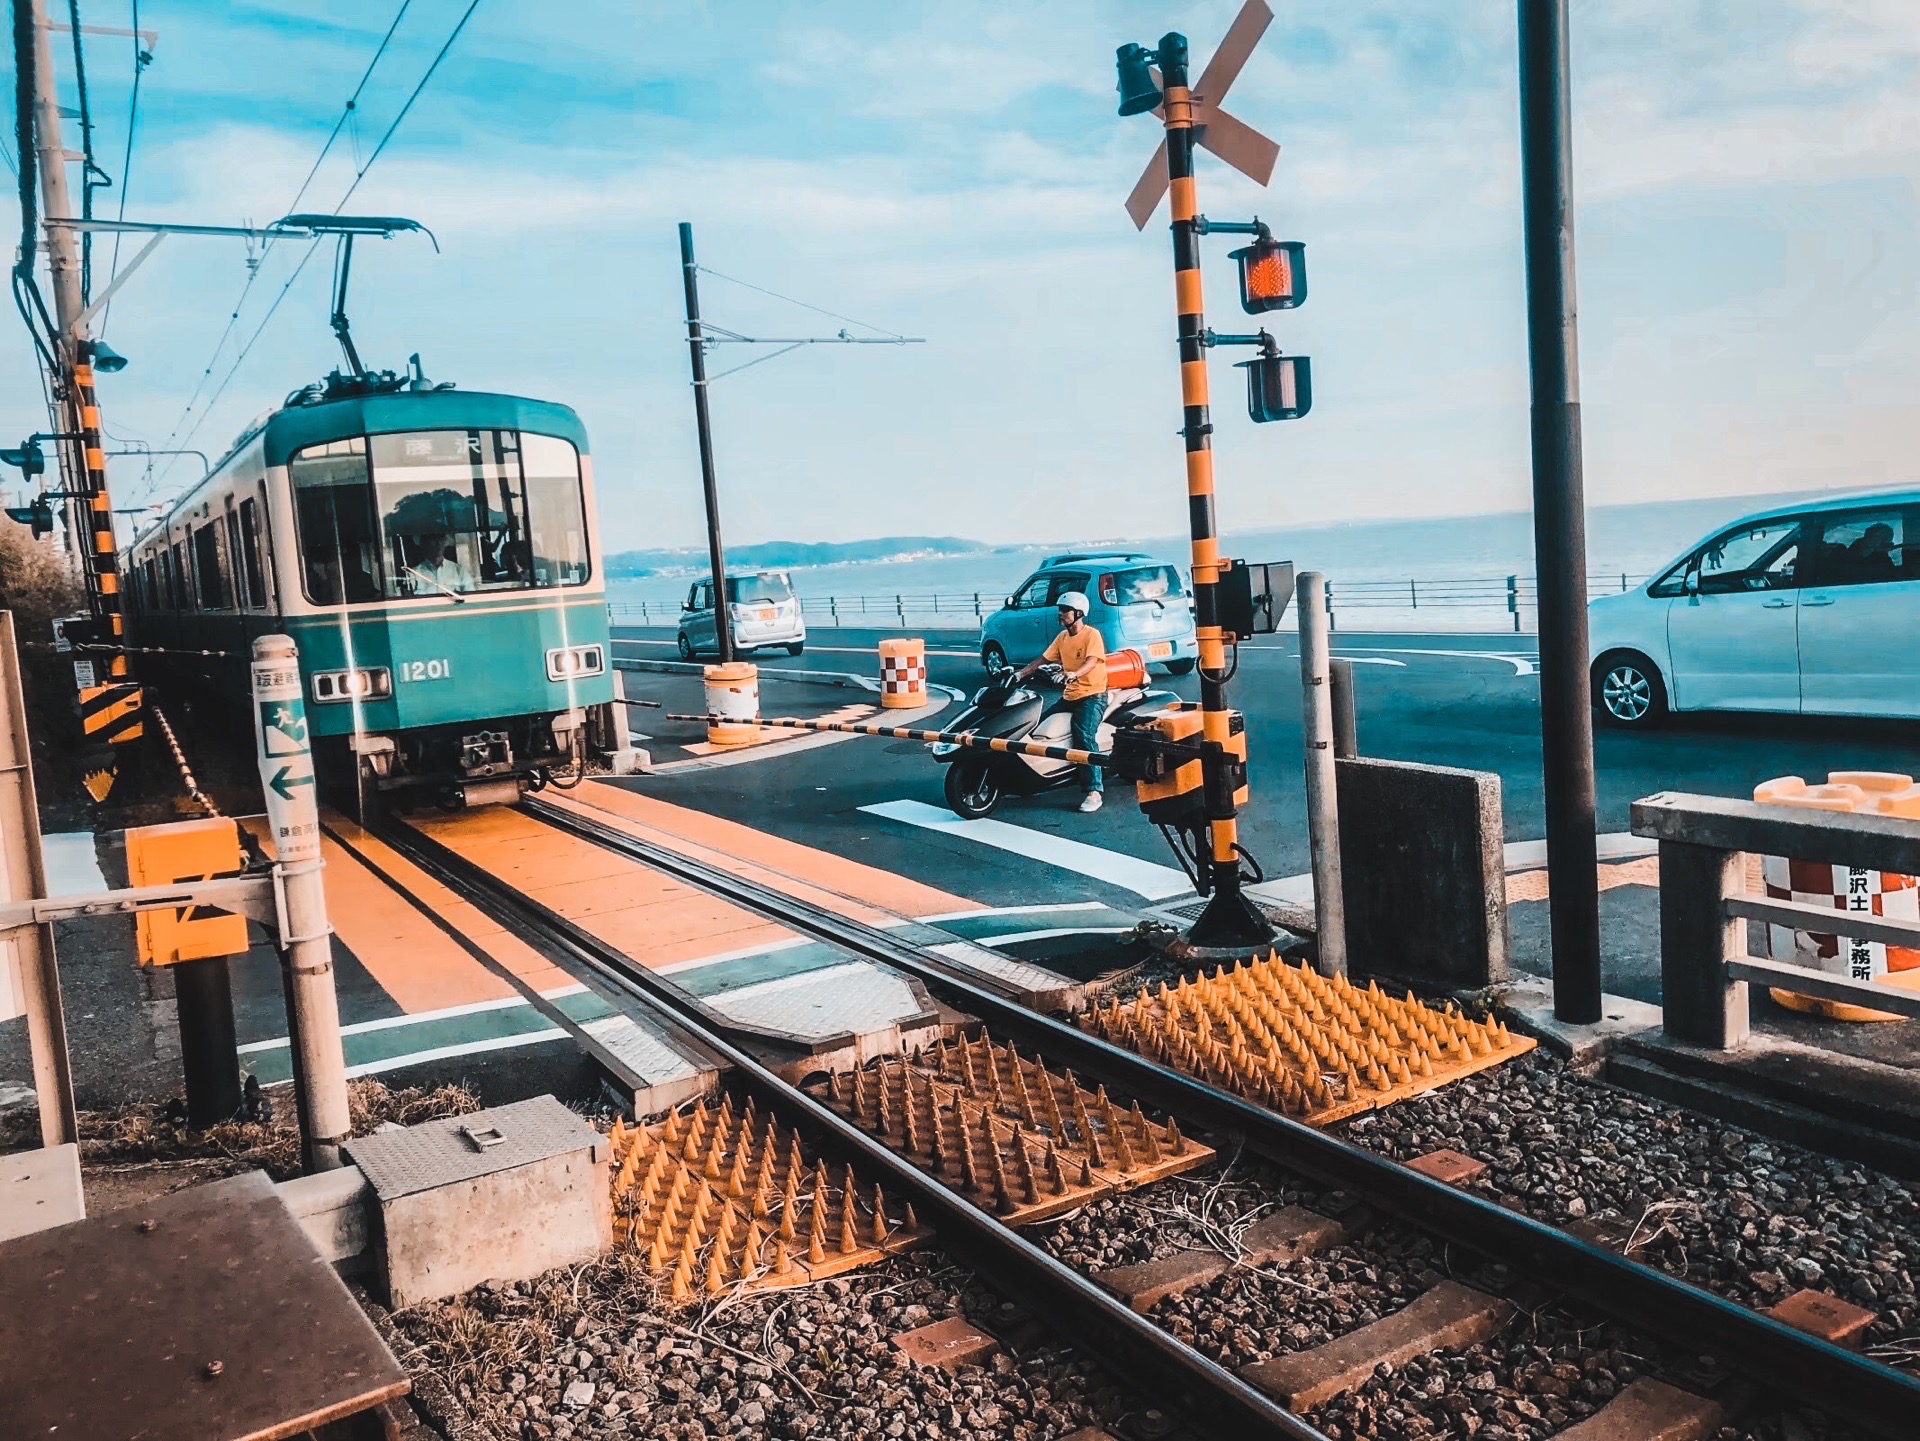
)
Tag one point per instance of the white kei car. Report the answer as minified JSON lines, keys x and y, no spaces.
{"x":1811,"y":608}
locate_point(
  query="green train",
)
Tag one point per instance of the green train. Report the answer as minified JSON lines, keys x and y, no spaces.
{"x":435,"y":555}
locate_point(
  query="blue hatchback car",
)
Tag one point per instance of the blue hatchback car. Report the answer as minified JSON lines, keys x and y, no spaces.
{"x":1138,"y":602}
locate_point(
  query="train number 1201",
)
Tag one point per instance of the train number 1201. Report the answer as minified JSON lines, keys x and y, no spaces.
{"x":425,"y":669}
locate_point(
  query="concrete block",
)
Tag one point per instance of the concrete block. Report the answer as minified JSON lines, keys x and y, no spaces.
{"x":1837,"y":1322}
{"x":948,"y":1344}
{"x":1449,"y":1317}
{"x":505,"y":1193}
{"x":1650,"y":1410}
{"x":1527,"y":1005}
{"x":1423,"y":872}
{"x":334,"y":1208}
{"x":1450,"y":1167}
{"x":40,"y":1190}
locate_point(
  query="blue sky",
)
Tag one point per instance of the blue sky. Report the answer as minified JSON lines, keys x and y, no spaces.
{"x":1746,"y":230}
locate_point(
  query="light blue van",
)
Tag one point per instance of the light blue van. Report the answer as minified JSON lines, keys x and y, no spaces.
{"x":1139,"y":603}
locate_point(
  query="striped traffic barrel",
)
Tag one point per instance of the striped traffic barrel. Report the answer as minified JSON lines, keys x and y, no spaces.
{"x":903,"y":673}
{"x":1843,"y":888}
{"x":733,"y":696}
{"x":1126,"y":669}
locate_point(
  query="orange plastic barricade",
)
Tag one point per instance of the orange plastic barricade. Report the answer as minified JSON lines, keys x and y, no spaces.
{"x":1126,"y":669}
{"x":903,"y":673}
{"x":733,"y":692}
{"x":1844,"y":888}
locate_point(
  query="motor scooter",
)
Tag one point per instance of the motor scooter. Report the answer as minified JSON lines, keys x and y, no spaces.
{"x":1006,"y":708}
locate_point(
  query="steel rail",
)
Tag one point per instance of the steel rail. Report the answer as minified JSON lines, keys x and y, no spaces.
{"x":1787,"y":1361}
{"x":1092,"y":1321}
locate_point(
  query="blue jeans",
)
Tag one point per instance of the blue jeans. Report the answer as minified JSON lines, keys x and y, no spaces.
{"x":1088,"y":712}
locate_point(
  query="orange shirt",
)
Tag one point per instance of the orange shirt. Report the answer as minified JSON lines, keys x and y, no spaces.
{"x":1071,"y":652}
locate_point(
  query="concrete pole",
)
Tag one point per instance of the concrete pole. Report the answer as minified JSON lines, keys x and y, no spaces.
{"x":709,"y":484}
{"x":63,"y":244}
{"x":306,"y":944}
{"x":1323,"y":806}
{"x":23,"y":877}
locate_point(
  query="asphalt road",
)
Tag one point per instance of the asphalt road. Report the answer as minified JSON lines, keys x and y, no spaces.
{"x":1458,"y":700}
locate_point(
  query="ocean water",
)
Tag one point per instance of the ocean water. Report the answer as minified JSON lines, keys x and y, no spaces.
{"x":1436,"y":574}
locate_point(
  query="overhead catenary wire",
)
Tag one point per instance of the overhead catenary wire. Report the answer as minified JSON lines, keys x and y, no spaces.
{"x":253,"y":269}
{"x":359,"y":175}
{"x":142,"y":57}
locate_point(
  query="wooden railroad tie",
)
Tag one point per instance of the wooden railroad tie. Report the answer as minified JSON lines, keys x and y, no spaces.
{"x":726,"y":1196}
{"x":1312,"y":1047}
{"x":1012,"y":1136}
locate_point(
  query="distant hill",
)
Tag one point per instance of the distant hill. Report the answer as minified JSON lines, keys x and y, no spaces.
{"x":784,"y":554}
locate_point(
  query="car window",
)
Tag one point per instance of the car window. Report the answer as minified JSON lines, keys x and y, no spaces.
{"x":1060,"y":582}
{"x":1760,"y":556}
{"x":703,"y":595}
{"x":1865,"y":547}
{"x":1134,"y":587}
{"x":1033,"y":593}
{"x":759,"y":588}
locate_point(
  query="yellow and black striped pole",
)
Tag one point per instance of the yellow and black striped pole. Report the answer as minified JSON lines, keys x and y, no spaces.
{"x":967,"y":740}
{"x":1230,"y":923}
{"x":110,"y":709}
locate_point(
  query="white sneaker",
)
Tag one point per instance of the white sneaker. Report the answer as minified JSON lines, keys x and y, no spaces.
{"x":1090,"y":803}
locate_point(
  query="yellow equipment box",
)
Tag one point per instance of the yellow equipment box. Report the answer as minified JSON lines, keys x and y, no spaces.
{"x":185,"y":851}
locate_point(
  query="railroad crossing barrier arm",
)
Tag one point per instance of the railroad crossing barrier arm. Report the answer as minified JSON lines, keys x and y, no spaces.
{"x":1704,"y":965}
{"x":255,"y":896}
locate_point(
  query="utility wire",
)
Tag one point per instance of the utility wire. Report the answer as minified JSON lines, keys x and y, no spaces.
{"x":142,"y":57}
{"x":735,"y":280}
{"x":92,"y":177}
{"x":360,"y":175}
{"x":253,"y":270}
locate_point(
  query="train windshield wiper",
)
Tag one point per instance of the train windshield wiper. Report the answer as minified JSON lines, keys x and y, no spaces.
{"x":453,"y":595}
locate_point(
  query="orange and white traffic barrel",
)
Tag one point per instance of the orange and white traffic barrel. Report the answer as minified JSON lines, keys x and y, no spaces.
{"x":733,"y":699}
{"x":1843,"y":888}
{"x":903,"y":673}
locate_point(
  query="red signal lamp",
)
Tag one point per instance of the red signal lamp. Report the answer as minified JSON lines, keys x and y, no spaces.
{"x":1279,"y":387}
{"x":1273,"y":275}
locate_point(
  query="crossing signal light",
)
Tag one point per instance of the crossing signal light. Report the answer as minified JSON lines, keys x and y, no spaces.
{"x":1273,"y":275}
{"x":37,"y":516}
{"x":29,"y":459}
{"x":1138,"y":93}
{"x":1279,"y":387}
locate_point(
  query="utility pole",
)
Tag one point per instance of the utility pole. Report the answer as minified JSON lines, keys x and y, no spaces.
{"x":697,"y":350}
{"x":83,"y":461}
{"x":1559,"y":509}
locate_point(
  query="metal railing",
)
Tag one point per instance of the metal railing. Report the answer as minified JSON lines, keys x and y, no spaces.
{"x":1503,"y":599}
{"x":1704,"y":965}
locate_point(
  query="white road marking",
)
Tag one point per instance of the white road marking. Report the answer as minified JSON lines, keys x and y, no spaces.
{"x":1372,"y":660}
{"x":417,"y":1018}
{"x":1010,"y":938}
{"x":1143,"y":878}
{"x":1523,"y":664}
{"x":465,"y":1048}
{"x":1015,"y":911}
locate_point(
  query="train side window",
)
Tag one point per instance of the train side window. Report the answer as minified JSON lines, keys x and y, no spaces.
{"x":250,"y":554}
{"x":333,"y":513}
{"x":182,"y":593}
{"x":208,"y":580}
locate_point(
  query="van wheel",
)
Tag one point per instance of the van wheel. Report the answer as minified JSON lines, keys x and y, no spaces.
{"x":972,"y":790}
{"x":686,"y":647}
{"x":1628,"y":691}
{"x":1181,"y":667}
{"x":797,"y":647}
{"x":993,"y":656}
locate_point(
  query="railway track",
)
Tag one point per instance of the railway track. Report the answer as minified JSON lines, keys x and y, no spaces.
{"x":838,"y":1120}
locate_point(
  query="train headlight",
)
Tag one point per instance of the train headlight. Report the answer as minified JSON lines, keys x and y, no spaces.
{"x":372,"y":683}
{"x":570,"y":662}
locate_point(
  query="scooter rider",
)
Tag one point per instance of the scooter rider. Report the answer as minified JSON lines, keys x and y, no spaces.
{"x":1080,"y":652}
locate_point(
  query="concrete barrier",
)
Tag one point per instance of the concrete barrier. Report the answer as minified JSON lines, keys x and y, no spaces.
{"x":1424,"y":873}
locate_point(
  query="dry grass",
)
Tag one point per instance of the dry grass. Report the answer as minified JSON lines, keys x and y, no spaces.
{"x":156,"y":1136}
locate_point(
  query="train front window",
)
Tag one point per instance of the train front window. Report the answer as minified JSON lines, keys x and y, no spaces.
{"x":478,"y":510}
{"x":339,"y":556}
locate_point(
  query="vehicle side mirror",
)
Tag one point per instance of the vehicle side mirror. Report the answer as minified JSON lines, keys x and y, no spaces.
{"x":1013,"y":602}
{"x":1692,"y":583}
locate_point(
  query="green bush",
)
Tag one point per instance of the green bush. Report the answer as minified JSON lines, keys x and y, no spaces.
{"x":37,"y":585}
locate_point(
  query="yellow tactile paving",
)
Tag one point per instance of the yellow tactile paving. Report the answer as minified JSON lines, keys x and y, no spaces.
{"x":744,"y":851}
{"x":414,"y":962}
{"x":653,"y":919}
{"x":1314,"y":1047}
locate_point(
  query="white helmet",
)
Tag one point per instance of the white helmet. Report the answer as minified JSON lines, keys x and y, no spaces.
{"x":1077,"y":600}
